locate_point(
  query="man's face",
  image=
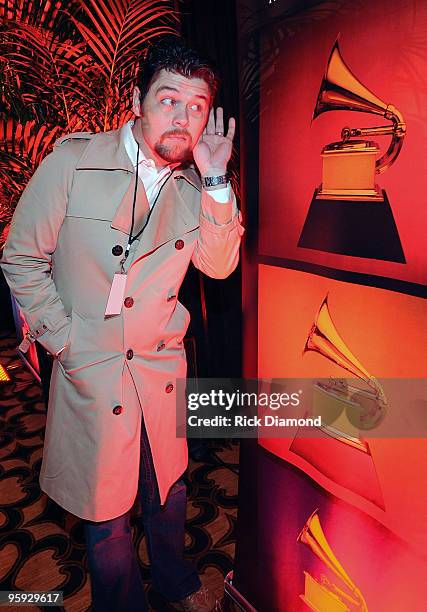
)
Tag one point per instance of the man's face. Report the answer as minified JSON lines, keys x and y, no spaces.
{"x":173,"y":115}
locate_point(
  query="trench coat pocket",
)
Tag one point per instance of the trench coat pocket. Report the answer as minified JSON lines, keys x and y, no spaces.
{"x":183,"y":314}
{"x":177,"y":328}
{"x":62,"y":357}
{"x":176,"y":319}
{"x":179,"y":316}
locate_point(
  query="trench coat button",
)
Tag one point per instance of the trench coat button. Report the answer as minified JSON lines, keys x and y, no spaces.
{"x":117,"y":250}
{"x":129,"y":354}
{"x":129,"y":302}
{"x":179,"y":244}
{"x":117,"y":409}
{"x":169,"y":388}
{"x":161,"y":346}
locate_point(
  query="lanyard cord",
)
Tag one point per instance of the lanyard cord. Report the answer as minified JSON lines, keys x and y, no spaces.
{"x":131,"y":238}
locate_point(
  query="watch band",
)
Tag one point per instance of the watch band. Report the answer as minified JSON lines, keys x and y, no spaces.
{"x":213,"y":181}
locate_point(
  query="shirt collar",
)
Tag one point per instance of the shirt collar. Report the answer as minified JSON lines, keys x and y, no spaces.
{"x":131,"y":147}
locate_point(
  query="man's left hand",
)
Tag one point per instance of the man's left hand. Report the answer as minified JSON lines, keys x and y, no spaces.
{"x":213,"y":149}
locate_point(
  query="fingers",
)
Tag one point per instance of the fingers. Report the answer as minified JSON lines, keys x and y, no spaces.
{"x":219,"y":120}
{"x":213,"y":126}
{"x":210,"y":127}
{"x":231,"y":128}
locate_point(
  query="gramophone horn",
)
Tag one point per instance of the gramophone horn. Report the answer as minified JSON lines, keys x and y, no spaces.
{"x":342,"y":90}
{"x":313,"y":537}
{"x":324,"y":338}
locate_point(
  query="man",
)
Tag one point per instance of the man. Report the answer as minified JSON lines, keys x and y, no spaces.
{"x":99,"y":245}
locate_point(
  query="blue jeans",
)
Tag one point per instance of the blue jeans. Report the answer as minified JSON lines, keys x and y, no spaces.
{"x":113,"y":564}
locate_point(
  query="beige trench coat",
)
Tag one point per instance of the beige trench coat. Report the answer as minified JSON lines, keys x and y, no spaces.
{"x":59,"y":264}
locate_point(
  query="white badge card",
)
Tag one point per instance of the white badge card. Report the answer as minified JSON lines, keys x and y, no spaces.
{"x":117,"y":292}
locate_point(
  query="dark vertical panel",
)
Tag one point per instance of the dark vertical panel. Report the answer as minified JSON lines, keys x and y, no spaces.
{"x":210,"y":26}
{"x":246,"y":555}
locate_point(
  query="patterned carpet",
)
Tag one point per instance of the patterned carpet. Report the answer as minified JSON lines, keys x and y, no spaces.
{"x":42,"y":546}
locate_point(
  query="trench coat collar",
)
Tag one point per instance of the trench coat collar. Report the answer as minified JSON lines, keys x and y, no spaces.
{"x":107,"y":151}
{"x":174,"y":212}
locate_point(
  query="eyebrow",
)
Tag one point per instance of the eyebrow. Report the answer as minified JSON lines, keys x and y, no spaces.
{"x":169,"y":88}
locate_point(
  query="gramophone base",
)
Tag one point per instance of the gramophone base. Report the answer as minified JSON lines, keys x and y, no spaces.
{"x":339,"y":462}
{"x":357,"y":228}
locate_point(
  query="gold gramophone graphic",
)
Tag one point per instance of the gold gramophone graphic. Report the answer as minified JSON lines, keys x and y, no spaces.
{"x":322,"y":595}
{"x":345,"y":409}
{"x":349,"y":166}
{"x":349,"y":213}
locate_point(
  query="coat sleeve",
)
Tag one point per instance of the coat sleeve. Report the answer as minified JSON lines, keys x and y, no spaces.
{"x":27,"y":255}
{"x":217,"y":248}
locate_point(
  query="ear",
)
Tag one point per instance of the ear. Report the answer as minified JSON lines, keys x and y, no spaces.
{"x":136,"y":102}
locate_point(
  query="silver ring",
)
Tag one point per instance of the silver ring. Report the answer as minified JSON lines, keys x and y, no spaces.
{"x":219,"y":133}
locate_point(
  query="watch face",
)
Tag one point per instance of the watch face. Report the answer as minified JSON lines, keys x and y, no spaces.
{"x":211,"y":181}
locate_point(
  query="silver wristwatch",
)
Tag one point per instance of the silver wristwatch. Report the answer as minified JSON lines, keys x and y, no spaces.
{"x":213,"y":181}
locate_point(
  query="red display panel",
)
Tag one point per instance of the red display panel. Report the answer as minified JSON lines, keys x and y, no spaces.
{"x":385,"y":330}
{"x":385,"y":47}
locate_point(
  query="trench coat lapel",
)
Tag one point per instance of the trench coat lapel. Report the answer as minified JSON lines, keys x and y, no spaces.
{"x":172,"y":215}
{"x":122,"y":219}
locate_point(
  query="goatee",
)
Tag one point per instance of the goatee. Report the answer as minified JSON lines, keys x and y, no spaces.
{"x":171,"y":150}
{"x":173,"y":154}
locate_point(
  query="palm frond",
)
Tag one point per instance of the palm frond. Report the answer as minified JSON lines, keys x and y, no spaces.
{"x":22,"y":148}
{"x":45,"y":14}
{"x":68,"y":65}
{"x":47,"y":70}
{"x":116,"y":32}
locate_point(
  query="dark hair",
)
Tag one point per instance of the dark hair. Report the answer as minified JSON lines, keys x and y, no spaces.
{"x":172,"y":53}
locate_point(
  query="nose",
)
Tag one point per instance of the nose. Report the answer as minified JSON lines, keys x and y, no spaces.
{"x":181,"y":117}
